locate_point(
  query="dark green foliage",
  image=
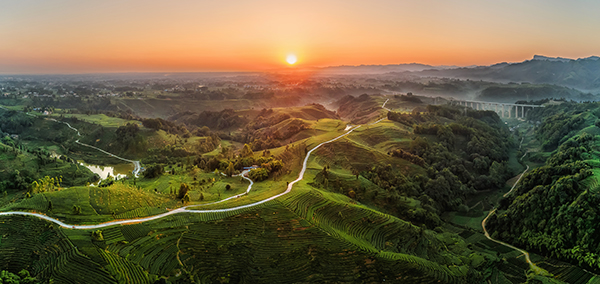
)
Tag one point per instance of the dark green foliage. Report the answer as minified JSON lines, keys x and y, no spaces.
{"x":409,"y":98}
{"x":403,"y":118}
{"x":454,"y":169}
{"x":97,"y":235}
{"x":14,"y":122}
{"x":555,"y":128}
{"x":217,"y":120}
{"x":409,"y":157}
{"x":183,"y":190}
{"x":265,"y":118}
{"x":166,"y":125}
{"x":554,"y":209}
{"x":129,"y":138}
{"x":446,"y":189}
{"x":259,"y":174}
{"x":211,"y":142}
{"x":23,"y":277}
{"x":154,"y":171}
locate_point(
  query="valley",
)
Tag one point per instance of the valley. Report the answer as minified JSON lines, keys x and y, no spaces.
{"x":377,"y":187}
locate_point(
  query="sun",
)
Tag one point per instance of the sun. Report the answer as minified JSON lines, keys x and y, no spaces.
{"x":291,"y":59}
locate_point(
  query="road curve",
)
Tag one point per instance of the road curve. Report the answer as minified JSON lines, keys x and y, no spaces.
{"x":516,"y":182}
{"x":136,"y":164}
{"x":383,"y":106}
{"x":487,"y":235}
{"x":185,"y":208}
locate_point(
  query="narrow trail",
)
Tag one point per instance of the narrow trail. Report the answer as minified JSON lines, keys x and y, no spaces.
{"x":136,"y":164}
{"x":516,"y":182}
{"x":487,"y":235}
{"x":527,"y":258}
{"x":185,"y":209}
{"x":383,"y":106}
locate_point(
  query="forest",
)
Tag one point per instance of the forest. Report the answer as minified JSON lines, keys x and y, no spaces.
{"x":554,"y":209}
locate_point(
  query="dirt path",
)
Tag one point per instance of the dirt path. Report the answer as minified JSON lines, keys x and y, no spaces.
{"x":487,"y":235}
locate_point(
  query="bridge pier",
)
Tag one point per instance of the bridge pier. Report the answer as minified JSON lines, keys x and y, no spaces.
{"x":503,"y":109}
{"x":522,"y":112}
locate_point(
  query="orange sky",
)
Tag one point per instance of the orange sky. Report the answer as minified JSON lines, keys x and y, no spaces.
{"x":39,"y":36}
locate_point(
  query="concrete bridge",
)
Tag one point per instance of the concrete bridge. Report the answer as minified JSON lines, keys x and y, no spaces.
{"x":504,"y":110}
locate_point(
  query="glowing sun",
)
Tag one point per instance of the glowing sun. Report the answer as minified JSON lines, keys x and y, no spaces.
{"x":291,"y":59}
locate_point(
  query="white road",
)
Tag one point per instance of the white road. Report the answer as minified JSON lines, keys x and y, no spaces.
{"x":136,"y":164}
{"x":517,"y":182}
{"x":487,"y":235}
{"x":383,"y":106}
{"x":185,"y":209}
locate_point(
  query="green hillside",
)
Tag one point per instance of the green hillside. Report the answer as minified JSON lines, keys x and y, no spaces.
{"x":368,"y":209}
{"x":553,"y":210}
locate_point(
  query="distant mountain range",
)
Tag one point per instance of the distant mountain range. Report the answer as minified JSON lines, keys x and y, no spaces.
{"x":375,"y":69}
{"x":582,"y":73}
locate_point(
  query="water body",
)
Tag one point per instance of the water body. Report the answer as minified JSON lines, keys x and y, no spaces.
{"x":117,"y":171}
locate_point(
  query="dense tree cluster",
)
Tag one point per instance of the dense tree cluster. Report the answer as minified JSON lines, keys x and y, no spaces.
{"x":268,"y":138}
{"x":454,"y":170}
{"x":13,"y":122}
{"x":265,"y":118}
{"x":556,"y":128}
{"x":217,"y":120}
{"x":554,"y":209}
{"x":168,"y":126}
{"x":404,"y":118}
{"x":128,"y":136}
{"x":23,"y":277}
{"x":409,"y":98}
{"x":33,"y":164}
{"x":415,"y":159}
{"x":211,"y":142}
{"x":154,"y":171}
{"x":229,"y":163}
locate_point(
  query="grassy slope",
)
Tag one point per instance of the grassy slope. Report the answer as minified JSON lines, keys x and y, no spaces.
{"x":27,"y":162}
{"x":318,"y":234}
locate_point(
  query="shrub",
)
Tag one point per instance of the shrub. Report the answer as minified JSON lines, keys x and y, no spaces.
{"x":183,"y":190}
{"x":154,"y":171}
{"x":259,"y":174}
{"x":97,"y":235}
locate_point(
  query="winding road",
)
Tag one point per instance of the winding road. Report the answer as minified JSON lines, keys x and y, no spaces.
{"x":136,"y":164}
{"x":383,"y":106}
{"x":516,"y":182}
{"x":487,"y":235}
{"x":185,"y":209}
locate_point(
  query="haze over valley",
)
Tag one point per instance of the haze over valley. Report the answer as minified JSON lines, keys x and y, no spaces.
{"x":314,"y":142}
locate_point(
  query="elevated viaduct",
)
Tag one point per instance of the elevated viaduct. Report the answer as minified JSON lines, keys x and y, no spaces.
{"x":503,"y":109}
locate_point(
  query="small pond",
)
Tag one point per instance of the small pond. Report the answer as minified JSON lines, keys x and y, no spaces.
{"x":117,"y":171}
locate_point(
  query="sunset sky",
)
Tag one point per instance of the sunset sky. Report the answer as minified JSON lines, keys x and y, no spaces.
{"x":74,"y":36}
